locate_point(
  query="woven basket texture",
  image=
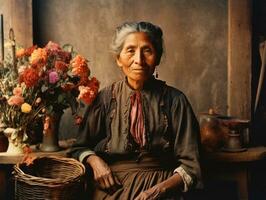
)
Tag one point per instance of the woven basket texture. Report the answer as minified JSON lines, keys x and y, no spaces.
{"x":49,"y":177}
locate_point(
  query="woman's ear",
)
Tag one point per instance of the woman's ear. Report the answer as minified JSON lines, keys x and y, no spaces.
{"x":118,"y":61}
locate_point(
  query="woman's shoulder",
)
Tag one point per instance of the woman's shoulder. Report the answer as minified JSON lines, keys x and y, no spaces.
{"x":175,"y":94}
{"x":110,"y":88}
{"x":107,"y":92}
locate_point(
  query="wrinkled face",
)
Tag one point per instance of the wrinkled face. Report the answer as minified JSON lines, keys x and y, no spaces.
{"x":137,"y":58}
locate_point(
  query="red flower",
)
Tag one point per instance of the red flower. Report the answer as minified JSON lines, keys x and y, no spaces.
{"x":89,"y":92}
{"x":30,"y":77}
{"x":94,"y":83}
{"x":61,"y":66}
{"x":30,"y":50}
{"x":64,"y":56}
{"x":84,"y":80}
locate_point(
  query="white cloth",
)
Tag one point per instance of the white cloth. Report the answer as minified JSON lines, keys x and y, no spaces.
{"x":188,"y":181}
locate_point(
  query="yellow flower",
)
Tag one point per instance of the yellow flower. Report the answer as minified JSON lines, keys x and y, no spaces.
{"x":38,"y":57}
{"x":25,"y":108}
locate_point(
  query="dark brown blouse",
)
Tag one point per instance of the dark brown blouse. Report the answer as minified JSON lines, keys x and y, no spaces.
{"x":171,"y":128}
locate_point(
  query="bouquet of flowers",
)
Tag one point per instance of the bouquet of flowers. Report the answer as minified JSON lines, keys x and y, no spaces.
{"x":19,"y":106}
{"x":44,"y":81}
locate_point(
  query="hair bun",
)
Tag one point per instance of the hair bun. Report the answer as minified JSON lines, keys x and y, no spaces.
{"x":149,"y":26}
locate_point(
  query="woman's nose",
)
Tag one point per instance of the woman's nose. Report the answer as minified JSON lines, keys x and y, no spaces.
{"x":138,"y":58}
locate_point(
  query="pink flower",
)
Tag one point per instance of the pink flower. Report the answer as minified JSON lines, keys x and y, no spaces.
{"x":17,"y":91}
{"x":53,"y":77}
{"x":52,"y":46}
{"x":15,"y":100}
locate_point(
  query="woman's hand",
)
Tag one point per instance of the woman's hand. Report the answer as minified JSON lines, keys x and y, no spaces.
{"x":103,"y":174}
{"x":175,"y":182}
{"x":151,"y":194}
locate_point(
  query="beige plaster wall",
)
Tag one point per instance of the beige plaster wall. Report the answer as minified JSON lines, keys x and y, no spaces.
{"x":18,"y":16}
{"x":195,"y":33}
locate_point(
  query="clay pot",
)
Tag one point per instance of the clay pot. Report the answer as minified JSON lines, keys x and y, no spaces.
{"x":213,"y":132}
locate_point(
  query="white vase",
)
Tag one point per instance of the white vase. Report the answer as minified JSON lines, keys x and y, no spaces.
{"x":14,"y":149}
{"x":15,"y":144}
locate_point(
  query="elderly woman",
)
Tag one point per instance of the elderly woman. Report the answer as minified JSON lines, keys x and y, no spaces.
{"x":140,"y":136}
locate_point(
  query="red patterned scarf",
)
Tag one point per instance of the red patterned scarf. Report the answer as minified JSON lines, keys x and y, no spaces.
{"x":137,"y":127}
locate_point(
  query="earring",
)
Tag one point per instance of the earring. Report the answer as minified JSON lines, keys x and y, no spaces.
{"x":156,"y":73}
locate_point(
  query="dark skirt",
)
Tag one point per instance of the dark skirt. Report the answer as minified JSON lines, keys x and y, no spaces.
{"x":135,"y":178}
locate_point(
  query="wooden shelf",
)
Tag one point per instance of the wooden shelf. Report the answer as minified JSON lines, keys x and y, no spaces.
{"x":13,"y":159}
{"x":250,"y":155}
{"x":233,"y":167}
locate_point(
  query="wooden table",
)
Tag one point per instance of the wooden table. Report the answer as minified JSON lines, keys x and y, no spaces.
{"x":233,"y":166}
{"x":13,"y":159}
{"x":6,"y":167}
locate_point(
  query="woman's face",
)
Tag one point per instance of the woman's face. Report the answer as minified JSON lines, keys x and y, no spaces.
{"x":137,"y":59}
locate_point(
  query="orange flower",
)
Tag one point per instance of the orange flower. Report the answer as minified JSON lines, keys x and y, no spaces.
{"x":25,"y":52}
{"x":80,"y":66}
{"x":28,"y":159}
{"x":27,"y":150}
{"x":30,"y":77}
{"x":15,"y":100}
{"x":17,"y":91}
{"x":20,"y":53}
{"x":38,"y":57}
{"x":30,"y":50}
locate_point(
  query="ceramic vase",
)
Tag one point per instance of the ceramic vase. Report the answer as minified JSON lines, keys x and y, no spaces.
{"x":15,"y":141}
{"x":50,"y":134}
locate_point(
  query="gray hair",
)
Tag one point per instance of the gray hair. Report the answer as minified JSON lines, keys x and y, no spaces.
{"x":154,"y":33}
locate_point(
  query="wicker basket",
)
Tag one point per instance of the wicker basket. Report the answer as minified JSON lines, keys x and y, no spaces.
{"x":49,"y":177}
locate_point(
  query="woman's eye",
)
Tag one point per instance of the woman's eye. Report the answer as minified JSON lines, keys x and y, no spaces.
{"x":130,"y":51}
{"x":147,"y":51}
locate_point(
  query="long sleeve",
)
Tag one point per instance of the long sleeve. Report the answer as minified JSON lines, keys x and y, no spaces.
{"x":187,"y":138}
{"x":90,"y":132}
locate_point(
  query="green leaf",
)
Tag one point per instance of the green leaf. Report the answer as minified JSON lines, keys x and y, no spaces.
{"x":49,"y":109}
{"x":44,"y":88}
{"x":68,"y":47}
{"x":61,"y":98}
